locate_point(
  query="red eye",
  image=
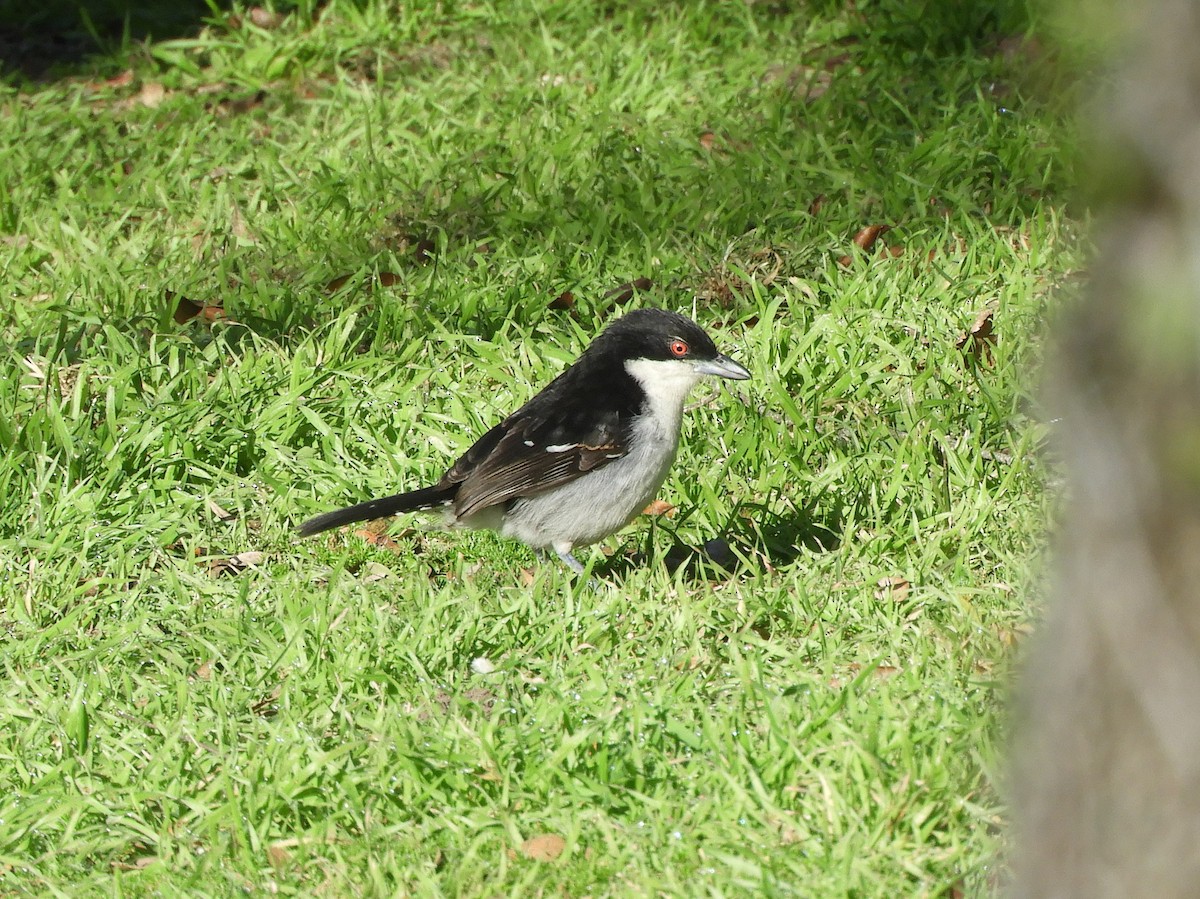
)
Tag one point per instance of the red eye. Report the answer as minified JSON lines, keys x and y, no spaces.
{"x":679,"y":348}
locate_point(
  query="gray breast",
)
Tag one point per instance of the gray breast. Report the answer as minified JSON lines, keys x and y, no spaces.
{"x":603,"y":501}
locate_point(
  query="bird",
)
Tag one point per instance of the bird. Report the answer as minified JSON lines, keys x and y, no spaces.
{"x":584,"y":456}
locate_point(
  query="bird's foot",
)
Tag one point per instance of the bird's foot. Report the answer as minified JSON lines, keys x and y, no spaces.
{"x":570,"y":561}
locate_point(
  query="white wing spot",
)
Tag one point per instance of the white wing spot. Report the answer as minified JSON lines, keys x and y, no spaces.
{"x":529,"y":443}
{"x":560,"y":447}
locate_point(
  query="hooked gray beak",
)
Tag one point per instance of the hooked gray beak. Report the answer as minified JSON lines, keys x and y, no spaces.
{"x":722,"y":367}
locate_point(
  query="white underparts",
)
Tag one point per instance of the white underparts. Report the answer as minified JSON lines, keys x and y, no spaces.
{"x":603,"y":501}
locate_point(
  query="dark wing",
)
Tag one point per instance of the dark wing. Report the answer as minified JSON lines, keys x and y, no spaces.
{"x":528,"y":453}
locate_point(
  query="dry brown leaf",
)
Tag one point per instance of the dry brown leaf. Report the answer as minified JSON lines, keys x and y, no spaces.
{"x":659,"y":507}
{"x":264,"y":18}
{"x":545,"y":847}
{"x":376,"y":572}
{"x":623,"y":293}
{"x":565,"y":300}
{"x":980,"y":338}
{"x":376,"y":538}
{"x":220,"y":513}
{"x":186,"y":309}
{"x":707,"y":139}
{"x":817,"y":202}
{"x":251,"y":557}
{"x":377,"y":535}
{"x":123,"y":79}
{"x":894,"y":588}
{"x":236,"y":564}
{"x":866,"y":237}
{"x":204,"y":670}
{"x":279,"y":853}
{"x":837,"y":60}
{"x":981,"y":329}
{"x":845,"y":261}
{"x":337,"y":284}
{"x":382,"y":279}
{"x":238,"y":227}
{"x":152,"y":94}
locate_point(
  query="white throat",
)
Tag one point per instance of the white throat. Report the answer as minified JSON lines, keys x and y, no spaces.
{"x":666,"y":383}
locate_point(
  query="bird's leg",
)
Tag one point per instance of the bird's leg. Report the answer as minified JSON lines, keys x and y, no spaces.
{"x":570,"y":561}
{"x":563,"y":551}
{"x":544,"y":555}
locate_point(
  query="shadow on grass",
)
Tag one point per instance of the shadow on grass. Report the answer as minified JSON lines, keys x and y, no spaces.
{"x":53,"y":38}
{"x":64,"y":33}
{"x":59,"y":35}
{"x":752,"y":544}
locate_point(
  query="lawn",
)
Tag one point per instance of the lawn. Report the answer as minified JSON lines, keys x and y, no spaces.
{"x":277,"y":262}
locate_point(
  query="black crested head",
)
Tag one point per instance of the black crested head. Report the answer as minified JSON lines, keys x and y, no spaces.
{"x":655,"y":334}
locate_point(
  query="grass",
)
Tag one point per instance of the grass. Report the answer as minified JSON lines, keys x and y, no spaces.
{"x":385,"y":200}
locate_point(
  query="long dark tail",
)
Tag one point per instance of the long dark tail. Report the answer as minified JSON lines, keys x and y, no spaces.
{"x":413,"y":501}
